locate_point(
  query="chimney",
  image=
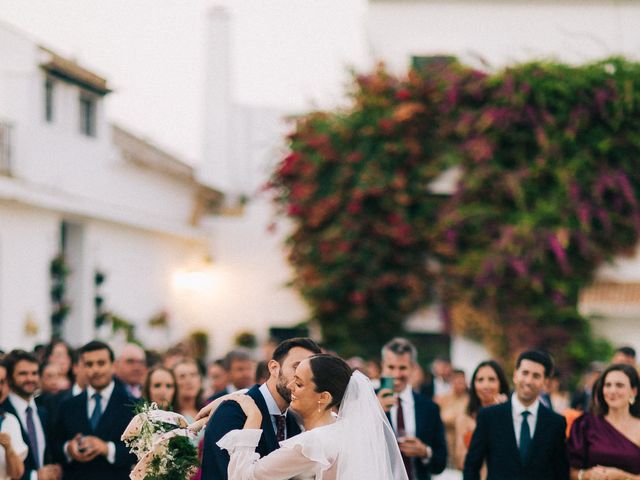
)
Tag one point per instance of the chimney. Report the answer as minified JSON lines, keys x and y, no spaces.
{"x":217,"y":169}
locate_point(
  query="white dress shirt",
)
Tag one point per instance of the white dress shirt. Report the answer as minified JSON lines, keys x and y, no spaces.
{"x":21,"y":405}
{"x":516,"y":410}
{"x":76,"y":390}
{"x":408,"y":411}
{"x":105,"y":396}
{"x":11,"y":427}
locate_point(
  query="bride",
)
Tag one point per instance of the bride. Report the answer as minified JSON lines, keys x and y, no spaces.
{"x":358,"y":443}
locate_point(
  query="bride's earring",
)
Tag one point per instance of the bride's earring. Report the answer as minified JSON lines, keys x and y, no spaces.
{"x":632,"y":400}
{"x":319,"y":409}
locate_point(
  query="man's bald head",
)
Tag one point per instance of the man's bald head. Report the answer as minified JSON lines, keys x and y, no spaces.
{"x":131,"y":364}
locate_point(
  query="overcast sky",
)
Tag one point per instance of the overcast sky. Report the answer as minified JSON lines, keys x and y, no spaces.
{"x":289,"y":54}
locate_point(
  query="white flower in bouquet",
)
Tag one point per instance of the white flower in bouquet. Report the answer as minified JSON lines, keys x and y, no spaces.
{"x":161,"y":442}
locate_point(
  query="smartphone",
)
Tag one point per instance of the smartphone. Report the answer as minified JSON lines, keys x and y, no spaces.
{"x":81,"y":447}
{"x":387,"y":382}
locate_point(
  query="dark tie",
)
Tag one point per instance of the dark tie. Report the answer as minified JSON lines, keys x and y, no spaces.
{"x":281,"y":424}
{"x":525,"y":436}
{"x":97,"y":411}
{"x":33,"y":438}
{"x":402,"y":432}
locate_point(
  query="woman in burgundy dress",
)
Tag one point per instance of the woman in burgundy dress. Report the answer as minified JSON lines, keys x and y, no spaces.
{"x":605,"y":444}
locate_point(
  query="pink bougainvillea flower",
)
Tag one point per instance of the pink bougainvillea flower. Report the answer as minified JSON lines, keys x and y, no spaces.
{"x":403,"y":94}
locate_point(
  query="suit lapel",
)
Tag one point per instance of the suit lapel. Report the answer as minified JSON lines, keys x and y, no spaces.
{"x":83,"y":410}
{"x":507,"y":413}
{"x":43,"y":413}
{"x":419,"y":414}
{"x":118,"y":397}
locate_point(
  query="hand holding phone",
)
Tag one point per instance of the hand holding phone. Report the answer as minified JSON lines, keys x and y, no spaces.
{"x":81,"y":447}
{"x":387,"y":383}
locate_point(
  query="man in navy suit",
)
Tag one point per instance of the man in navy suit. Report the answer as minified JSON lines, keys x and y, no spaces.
{"x":520,"y":439}
{"x":415,"y":419}
{"x":272,"y":398}
{"x":89,"y":425}
{"x":23,"y":377}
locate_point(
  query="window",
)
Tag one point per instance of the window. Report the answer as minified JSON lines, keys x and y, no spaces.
{"x":421,"y":61}
{"x":5,"y":148}
{"x":48,"y":99}
{"x":87,"y":114}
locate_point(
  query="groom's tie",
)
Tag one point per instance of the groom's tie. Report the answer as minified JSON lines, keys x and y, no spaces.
{"x":402,"y":432}
{"x":525,"y":436}
{"x":281,"y":424}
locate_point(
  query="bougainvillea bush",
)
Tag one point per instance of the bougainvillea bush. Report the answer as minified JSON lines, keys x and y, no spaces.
{"x":549,"y":157}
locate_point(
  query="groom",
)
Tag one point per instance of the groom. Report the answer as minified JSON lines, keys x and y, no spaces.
{"x":272,"y":398}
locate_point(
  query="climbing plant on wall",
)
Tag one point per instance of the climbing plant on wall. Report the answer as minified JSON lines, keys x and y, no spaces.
{"x":58,"y":272}
{"x":549,"y":155}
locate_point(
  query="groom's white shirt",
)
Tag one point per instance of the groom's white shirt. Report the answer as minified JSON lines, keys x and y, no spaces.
{"x":409,"y":411}
{"x":273,"y":408}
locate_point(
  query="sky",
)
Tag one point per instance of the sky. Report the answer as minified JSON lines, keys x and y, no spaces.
{"x":289,"y":54}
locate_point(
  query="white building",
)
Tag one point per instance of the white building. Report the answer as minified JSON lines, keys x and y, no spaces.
{"x":113,"y":203}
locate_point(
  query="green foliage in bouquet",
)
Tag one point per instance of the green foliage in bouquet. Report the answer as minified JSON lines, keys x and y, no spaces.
{"x":181,"y":457}
{"x":162,"y":444}
{"x":549,"y":156}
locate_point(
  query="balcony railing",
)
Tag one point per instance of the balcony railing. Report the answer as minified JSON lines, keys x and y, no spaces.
{"x":5,"y":148}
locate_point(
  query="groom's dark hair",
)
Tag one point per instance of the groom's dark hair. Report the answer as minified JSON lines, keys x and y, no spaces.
{"x":330,"y":374}
{"x":283,"y":349}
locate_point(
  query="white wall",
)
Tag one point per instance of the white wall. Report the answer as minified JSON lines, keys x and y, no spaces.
{"x":467,"y":354}
{"x":619,"y":330}
{"x":252,"y":272}
{"x":140,"y":270}
{"x":28,"y":242}
{"x":502,"y":31}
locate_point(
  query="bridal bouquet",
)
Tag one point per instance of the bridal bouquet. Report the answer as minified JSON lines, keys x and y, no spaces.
{"x":162,"y":442}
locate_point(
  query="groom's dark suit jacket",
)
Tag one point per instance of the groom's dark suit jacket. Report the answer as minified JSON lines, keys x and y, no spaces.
{"x":494,"y":440}
{"x":29,"y":462}
{"x":229,"y":416}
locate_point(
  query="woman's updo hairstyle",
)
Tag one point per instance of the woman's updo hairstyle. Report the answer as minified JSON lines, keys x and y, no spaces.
{"x":330,"y":374}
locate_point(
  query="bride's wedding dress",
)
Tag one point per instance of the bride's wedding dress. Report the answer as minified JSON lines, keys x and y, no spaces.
{"x":359,"y":445}
{"x":308,"y":456}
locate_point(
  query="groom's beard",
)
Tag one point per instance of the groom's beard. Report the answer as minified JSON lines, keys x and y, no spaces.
{"x":281,"y":388}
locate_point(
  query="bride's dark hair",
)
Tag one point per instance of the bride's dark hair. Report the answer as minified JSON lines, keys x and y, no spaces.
{"x":330,"y":374}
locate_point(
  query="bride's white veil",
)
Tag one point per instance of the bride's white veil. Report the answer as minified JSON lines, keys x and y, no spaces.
{"x":369,"y":448}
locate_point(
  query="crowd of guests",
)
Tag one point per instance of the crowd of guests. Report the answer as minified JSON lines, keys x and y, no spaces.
{"x":62,"y":411}
{"x":591,"y":434}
